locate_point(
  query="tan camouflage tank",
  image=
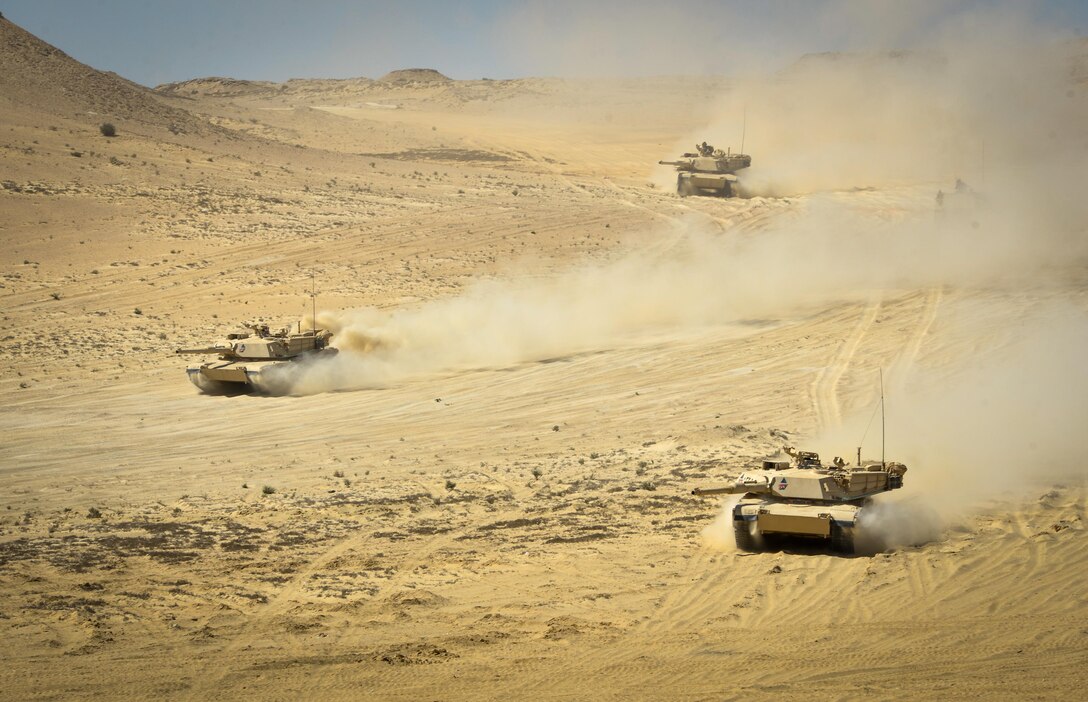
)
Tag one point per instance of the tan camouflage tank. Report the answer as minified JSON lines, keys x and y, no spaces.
{"x":248,"y":359}
{"x":806,"y":498}
{"x":708,"y":171}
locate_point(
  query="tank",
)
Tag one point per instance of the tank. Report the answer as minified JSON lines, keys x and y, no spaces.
{"x":245,"y":357}
{"x":804,"y":498}
{"x":960,"y":206}
{"x":708,"y":171}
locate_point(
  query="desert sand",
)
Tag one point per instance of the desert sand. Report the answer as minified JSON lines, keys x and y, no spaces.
{"x":544,"y":349}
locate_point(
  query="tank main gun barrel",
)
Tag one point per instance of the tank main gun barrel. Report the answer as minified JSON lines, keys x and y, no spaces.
{"x":206,"y":351}
{"x":737,"y":488}
{"x":756,"y":483}
{"x":703,"y":492}
{"x":686,"y":164}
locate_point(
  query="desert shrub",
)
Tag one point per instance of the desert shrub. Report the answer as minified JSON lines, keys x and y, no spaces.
{"x":268,"y":490}
{"x":107,"y":129}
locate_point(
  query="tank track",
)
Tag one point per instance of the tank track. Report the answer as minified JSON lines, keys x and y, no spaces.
{"x":743,"y":536}
{"x":842,"y":540}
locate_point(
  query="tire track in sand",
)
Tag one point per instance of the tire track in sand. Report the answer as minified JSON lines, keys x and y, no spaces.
{"x":260,"y":626}
{"x":210,"y":683}
{"x":901,"y":366}
{"x":825,"y":398}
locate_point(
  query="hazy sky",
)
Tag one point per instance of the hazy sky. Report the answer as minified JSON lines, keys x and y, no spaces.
{"x":153,"y":42}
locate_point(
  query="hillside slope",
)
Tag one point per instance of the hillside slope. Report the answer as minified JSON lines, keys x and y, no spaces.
{"x":39,"y":77}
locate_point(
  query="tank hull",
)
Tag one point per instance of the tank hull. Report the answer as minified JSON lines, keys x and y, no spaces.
{"x":720,"y":184}
{"x":231,"y":375}
{"x":755,"y":518}
{"x":224,"y":375}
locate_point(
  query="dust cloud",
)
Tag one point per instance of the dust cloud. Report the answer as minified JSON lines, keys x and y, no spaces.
{"x":718,"y":535}
{"x":838,"y":250}
{"x":703,"y":280}
{"x":1005,"y":424}
{"x":892,"y":524}
{"x":1010,"y":422}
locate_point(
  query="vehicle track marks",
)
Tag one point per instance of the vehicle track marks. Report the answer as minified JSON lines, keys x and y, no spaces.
{"x":900,"y":369}
{"x":824,"y":390}
{"x":256,"y":626}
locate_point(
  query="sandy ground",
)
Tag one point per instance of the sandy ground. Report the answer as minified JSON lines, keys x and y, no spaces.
{"x":505,"y":531}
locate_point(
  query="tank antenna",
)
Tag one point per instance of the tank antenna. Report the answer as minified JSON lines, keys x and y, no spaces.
{"x":313,"y":301}
{"x":743,"y":128}
{"x":882,"y":417}
{"x":870,"y":424}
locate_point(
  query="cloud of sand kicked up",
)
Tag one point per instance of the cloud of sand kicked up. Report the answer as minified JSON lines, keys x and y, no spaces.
{"x":833,"y":252}
{"x":1007,"y":423}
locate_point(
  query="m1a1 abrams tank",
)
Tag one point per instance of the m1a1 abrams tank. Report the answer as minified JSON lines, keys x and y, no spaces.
{"x":806,"y":499}
{"x":708,"y":170}
{"x":245,"y":358}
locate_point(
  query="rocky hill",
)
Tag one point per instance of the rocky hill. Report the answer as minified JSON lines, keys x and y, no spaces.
{"x":215,"y":86}
{"x":414,"y":75}
{"x":39,"y":77}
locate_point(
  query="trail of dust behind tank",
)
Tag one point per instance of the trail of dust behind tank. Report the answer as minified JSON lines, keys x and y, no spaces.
{"x":710,"y":279}
{"x":280,"y":379}
{"x":894,"y":524}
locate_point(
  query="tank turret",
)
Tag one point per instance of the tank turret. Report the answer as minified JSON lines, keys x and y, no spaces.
{"x":708,"y":170}
{"x":803,"y":497}
{"x":246,"y":357}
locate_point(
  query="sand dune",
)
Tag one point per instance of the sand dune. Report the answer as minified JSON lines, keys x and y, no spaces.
{"x":502,"y":509}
